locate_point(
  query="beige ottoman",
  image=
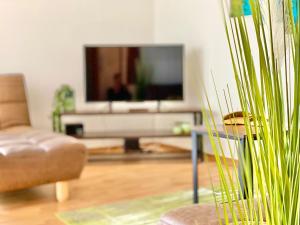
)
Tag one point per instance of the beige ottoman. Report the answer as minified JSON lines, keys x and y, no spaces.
{"x":191,"y":215}
{"x":205,"y":214}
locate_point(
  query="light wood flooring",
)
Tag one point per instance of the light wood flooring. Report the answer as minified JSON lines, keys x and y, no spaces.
{"x":102,"y":183}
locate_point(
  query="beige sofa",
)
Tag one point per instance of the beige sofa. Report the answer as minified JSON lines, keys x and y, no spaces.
{"x":30,"y":157}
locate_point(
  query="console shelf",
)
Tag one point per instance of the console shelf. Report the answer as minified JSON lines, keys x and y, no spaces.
{"x":131,"y":137}
{"x":131,"y":134}
{"x":94,"y":113}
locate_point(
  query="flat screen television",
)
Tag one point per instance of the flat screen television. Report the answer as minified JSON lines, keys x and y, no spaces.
{"x":134,"y":73}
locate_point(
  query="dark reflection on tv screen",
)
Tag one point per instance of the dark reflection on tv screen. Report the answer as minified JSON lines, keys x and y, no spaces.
{"x":134,"y":73}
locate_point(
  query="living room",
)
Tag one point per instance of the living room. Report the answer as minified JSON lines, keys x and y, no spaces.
{"x":149,"y":112}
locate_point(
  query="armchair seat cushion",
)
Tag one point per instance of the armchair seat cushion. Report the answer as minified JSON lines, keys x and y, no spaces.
{"x":30,"y":157}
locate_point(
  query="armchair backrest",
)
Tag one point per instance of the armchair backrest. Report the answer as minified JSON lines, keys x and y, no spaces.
{"x":13,"y":101}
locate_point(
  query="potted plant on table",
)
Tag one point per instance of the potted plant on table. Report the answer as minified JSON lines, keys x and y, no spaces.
{"x":64,"y":101}
{"x":269,"y":89}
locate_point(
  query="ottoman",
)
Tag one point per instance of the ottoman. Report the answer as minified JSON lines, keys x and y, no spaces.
{"x":191,"y":215}
{"x":205,"y":214}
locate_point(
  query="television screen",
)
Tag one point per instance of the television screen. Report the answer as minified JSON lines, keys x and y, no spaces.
{"x":134,"y":73}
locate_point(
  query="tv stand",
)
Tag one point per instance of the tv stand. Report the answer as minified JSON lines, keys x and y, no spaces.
{"x":131,"y":137}
{"x":158,"y":106}
{"x":139,"y":110}
{"x":110,"y":108}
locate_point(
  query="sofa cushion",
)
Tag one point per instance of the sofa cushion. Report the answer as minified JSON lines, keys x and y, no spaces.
{"x":30,"y":157}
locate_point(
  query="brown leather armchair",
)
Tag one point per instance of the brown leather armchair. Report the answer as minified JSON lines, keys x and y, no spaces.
{"x":30,"y":157}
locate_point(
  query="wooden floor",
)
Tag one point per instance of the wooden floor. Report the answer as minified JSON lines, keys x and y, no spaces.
{"x":102,"y":183}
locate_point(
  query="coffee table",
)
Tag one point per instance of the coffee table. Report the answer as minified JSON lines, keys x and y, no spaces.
{"x":237,"y":133}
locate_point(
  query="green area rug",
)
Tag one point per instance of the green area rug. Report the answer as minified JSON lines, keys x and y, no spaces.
{"x":136,"y":212}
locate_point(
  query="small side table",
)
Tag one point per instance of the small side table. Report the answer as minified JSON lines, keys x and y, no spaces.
{"x":237,"y":133}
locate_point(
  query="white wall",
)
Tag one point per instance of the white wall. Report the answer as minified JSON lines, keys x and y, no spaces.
{"x":199,"y":25}
{"x":44,"y":40}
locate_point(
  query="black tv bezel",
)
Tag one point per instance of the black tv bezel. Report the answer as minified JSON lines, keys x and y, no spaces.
{"x":132,"y":46}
